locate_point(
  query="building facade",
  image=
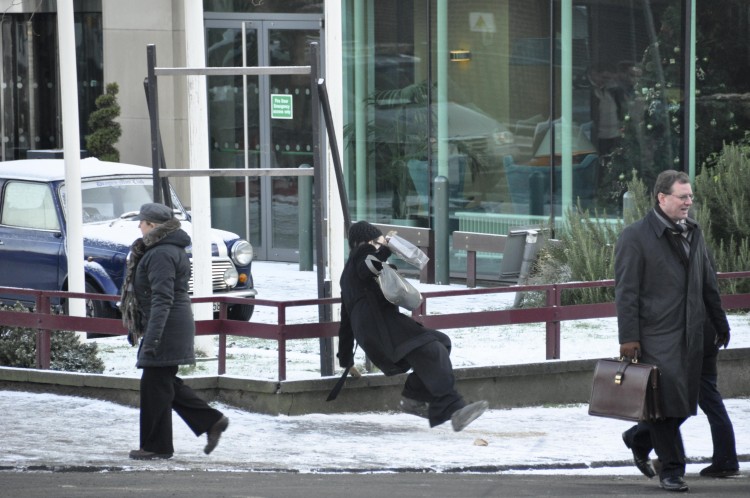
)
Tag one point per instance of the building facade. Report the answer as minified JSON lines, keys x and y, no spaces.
{"x":526,"y":108}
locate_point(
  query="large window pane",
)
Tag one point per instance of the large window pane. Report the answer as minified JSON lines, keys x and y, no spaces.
{"x":264,"y":7}
{"x":722,"y":106}
{"x":649,"y":92}
{"x":230,"y":141}
{"x":29,"y":97}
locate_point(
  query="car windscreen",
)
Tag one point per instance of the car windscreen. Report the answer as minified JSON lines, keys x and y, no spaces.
{"x":108,"y":199}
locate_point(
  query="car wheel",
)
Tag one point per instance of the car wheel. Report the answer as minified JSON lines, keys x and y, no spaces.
{"x":240,"y":312}
{"x":97,"y":309}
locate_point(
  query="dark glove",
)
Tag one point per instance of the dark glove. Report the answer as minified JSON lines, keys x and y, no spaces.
{"x":722,"y":339}
{"x":345,"y":359}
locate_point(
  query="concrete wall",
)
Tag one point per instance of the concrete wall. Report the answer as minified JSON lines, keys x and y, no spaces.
{"x":554,"y":382}
{"x":125,"y":37}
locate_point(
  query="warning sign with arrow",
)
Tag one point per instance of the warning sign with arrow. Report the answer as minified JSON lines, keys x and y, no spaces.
{"x":482,"y":22}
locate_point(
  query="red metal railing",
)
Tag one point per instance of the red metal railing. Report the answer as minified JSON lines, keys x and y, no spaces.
{"x":552,"y":314}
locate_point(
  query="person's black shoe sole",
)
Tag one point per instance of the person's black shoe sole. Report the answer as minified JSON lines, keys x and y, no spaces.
{"x":468,"y":414}
{"x":148,"y":455}
{"x":712,"y":471}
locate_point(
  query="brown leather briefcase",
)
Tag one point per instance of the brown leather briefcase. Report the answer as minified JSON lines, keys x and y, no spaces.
{"x":625,"y":390}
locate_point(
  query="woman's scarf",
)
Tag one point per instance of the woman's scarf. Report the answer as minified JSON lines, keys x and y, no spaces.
{"x":131,"y":317}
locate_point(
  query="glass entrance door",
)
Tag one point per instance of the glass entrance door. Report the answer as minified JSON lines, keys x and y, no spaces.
{"x":248,"y":131}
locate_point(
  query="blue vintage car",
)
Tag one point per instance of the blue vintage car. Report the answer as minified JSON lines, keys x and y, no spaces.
{"x":33,"y":232}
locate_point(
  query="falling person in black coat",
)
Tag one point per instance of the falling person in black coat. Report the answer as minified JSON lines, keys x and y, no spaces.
{"x":393,"y":341}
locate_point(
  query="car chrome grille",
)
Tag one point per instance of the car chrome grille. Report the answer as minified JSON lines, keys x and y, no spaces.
{"x":473,"y":146}
{"x":218,"y":267}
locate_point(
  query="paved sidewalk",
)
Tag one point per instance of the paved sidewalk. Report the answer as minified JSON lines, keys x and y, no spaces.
{"x":294,"y":485}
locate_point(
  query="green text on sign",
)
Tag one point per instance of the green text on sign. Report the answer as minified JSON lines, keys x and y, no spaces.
{"x":281,"y":106}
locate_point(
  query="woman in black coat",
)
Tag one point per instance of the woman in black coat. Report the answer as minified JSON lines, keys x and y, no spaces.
{"x":393,"y":341}
{"x":156,"y":307}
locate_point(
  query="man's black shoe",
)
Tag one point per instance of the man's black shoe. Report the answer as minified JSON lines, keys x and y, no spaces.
{"x":642,"y":462}
{"x":675,"y":483}
{"x":715,"y":471}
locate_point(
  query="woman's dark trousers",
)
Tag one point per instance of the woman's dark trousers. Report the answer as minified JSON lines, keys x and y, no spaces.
{"x":161,"y":392}
{"x":432,"y":379}
{"x":722,"y":431}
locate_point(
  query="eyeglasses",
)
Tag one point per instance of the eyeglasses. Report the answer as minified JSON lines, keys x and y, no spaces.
{"x":685,"y":197}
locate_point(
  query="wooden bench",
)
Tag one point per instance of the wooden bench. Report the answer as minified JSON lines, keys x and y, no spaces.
{"x":424,"y":238}
{"x":472,"y":243}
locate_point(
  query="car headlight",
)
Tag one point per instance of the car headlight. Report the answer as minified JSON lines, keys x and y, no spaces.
{"x":503,"y":137}
{"x":242,"y":253}
{"x":231,"y":277}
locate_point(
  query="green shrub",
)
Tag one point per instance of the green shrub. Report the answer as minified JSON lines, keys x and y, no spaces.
{"x":723,"y":210}
{"x":67,"y":353}
{"x":105,"y":131}
{"x":585,"y":251}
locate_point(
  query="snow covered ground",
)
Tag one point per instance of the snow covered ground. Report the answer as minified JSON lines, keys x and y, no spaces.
{"x":49,"y":431}
{"x":46,"y":431}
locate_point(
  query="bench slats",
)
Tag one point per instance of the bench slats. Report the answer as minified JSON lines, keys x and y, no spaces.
{"x":424,"y":238}
{"x":472,"y":243}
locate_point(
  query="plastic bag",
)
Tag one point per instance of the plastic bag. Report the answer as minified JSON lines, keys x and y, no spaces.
{"x":395,"y":288}
{"x":407,"y":251}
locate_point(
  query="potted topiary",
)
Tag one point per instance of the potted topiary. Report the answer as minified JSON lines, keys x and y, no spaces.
{"x":105,"y":131}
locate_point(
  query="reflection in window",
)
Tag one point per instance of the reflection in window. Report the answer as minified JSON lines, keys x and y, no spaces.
{"x":618,"y":66}
{"x":31,"y":113}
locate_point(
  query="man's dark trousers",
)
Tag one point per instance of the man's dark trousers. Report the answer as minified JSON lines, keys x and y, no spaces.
{"x":664,"y":437}
{"x":722,"y":431}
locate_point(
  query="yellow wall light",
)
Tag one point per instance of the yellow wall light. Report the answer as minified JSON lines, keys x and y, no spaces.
{"x":460,"y":55}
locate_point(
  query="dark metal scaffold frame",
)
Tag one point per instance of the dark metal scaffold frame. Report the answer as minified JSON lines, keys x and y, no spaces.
{"x":319,"y":102}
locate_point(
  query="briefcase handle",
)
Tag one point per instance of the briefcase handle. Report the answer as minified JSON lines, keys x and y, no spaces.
{"x":624,"y":363}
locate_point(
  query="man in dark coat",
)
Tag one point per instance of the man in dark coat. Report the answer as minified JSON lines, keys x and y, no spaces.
{"x":724,"y":462}
{"x":664,"y":286}
{"x":157,"y":281}
{"x":393,"y":341}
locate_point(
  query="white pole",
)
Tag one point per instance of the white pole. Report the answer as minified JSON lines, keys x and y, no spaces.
{"x":334,"y":83}
{"x":200,"y":195}
{"x":71,"y":154}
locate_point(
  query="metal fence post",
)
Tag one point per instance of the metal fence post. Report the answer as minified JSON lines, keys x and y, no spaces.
{"x":153,"y":114}
{"x":628,"y":207}
{"x":325,"y":312}
{"x":536,"y":193}
{"x":305,"y":211}
{"x":43,"y":337}
{"x":442,"y":253}
{"x":553,"y":327}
